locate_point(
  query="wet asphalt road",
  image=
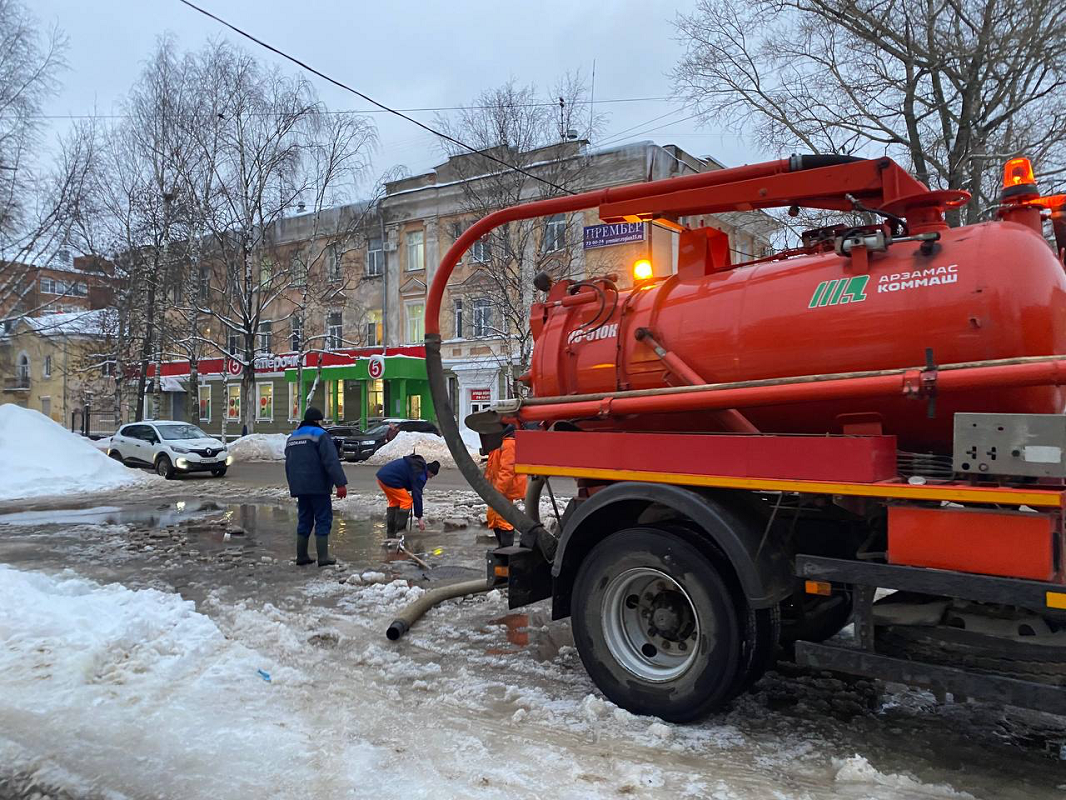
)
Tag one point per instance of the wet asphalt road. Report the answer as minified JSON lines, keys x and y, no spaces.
{"x":259,"y":474}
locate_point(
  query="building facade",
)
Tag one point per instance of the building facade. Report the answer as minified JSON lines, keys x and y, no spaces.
{"x":50,"y":363}
{"x":349,"y":286}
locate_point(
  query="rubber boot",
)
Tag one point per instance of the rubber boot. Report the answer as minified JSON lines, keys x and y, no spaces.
{"x":504,"y":538}
{"x":402,"y":516}
{"x":322,"y":545}
{"x":302,"y":558}
{"x":390,"y":522}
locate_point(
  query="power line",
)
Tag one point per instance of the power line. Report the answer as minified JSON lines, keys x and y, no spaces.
{"x":371,"y":100}
{"x":422,"y":109}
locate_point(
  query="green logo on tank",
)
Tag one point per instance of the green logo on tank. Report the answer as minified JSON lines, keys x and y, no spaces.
{"x":840,"y":291}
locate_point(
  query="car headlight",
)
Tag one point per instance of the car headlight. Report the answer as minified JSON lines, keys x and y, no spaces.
{"x":229,"y":460}
{"x":181,"y":463}
{"x":180,"y":449}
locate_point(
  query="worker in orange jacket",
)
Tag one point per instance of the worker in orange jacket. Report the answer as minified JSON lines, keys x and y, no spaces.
{"x":500,"y":473}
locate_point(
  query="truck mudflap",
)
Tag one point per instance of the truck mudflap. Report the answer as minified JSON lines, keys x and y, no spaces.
{"x":968,"y":665}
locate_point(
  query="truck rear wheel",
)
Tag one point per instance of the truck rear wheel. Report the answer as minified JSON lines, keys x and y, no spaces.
{"x":656,"y":626}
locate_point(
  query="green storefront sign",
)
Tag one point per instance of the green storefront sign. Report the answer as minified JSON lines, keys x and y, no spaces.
{"x":385,"y":386}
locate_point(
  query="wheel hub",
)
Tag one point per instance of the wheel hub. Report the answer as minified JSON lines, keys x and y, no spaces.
{"x":650,"y":624}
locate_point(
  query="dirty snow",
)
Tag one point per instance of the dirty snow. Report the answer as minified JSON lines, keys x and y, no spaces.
{"x":38,"y":458}
{"x":427,"y":445}
{"x":857,"y":770}
{"x":259,"y":447}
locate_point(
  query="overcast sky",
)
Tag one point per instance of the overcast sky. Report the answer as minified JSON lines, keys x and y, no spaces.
{"x":409,"y":55}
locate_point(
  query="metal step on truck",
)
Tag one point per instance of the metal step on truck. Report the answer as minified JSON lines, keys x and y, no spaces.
{"x":867,"y":429}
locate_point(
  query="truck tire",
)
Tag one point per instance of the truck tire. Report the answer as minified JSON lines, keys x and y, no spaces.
{"x":656,"y":626}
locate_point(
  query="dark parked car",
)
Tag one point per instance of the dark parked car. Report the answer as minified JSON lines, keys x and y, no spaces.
{"x":360,"y":446}
{"x":346,"y":438}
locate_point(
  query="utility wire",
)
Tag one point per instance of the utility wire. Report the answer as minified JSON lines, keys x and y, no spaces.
{"x":371,"y":100}
{"x":541,"y":104}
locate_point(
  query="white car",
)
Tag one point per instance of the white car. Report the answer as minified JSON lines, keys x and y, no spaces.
{"x":168,"y":448}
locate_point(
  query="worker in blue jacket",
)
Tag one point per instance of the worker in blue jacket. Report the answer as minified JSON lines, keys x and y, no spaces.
{"x":402,"y":481}
{"x":313,"y":469}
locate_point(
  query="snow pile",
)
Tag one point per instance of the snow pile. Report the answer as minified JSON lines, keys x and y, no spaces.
{"x":259,"y":447}
{"x":131,"y":691}
{"x":858,"y":770}
{"x":38,"y":457}
{"x":101,"y":444}
{"x":430,"y":446}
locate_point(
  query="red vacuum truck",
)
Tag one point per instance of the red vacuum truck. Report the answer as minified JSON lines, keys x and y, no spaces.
{"x":760,"y":447}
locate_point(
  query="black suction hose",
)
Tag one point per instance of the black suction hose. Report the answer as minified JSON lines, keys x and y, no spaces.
{"x":533,"y":533}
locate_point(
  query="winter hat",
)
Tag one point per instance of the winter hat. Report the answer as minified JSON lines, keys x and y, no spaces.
{"x":433,"y":467}
{"x":313,"y":415}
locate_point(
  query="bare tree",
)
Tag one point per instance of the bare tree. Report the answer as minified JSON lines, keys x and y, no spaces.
{"x":37,"y":199}
{"x":277,"y":143}
{"x":951,"y":88}
{"x":512,"y":124}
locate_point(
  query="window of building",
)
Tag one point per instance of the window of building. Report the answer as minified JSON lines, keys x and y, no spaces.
{"x":334,"y":331}
{"x":203,"y":283}
{"x":22,"y":372}
{"x":335,"y":400}
{"x":416,"y":318}
{"x":297,"y":271}
{"x":174,"y":293}
{"x":294,"y":402}
{"x":375,"y":398}
{"x":458,"y":319}
{"x":479,"y":251}
{"x":457,"y":230}
{"x":416,"y":251}
{"x":233,"y":401}
{"x":48,"y":286}
{"x":80,"y":289}
{"x":107,"y":369}
{"x":334,"y":270}
{"x":266,"y":271}
{"x":482,"y":318}
{"x":414,"y":406}
{"x":46,"y":368}
{"x":296,"y":333}
{"x":374,"y":329}
{"x":264,"y":401}
{"x":375,"y":256}
{"x":266,"y":337}
{"x":46,"y":406}
{"x":555,"y":233}
{"x":203,"y":395}
{"x":234,"y":343}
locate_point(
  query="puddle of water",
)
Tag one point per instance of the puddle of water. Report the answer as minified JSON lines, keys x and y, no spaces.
{"x":517,"y":628}
{"x":358,"y":543}
{"x":156,"y":515}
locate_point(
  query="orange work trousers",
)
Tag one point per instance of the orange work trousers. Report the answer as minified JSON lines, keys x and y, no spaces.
{"x":398,"y":498}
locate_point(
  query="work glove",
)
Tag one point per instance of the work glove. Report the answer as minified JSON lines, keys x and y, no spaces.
{"x":342,"y":492}
{"x":421,"y":524}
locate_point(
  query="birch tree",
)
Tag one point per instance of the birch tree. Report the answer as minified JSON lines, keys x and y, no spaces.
{"x":950,"y":88}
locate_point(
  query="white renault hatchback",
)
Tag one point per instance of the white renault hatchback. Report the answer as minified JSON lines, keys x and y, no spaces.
{"x":169,"y":447}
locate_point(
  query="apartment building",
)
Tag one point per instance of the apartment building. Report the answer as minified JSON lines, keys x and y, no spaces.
{"x":50,"y":363}
{"x":348,"y":326}
{"x":62,"y":283}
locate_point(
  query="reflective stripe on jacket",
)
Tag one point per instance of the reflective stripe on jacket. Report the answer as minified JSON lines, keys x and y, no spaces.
{"x":311,"y":462}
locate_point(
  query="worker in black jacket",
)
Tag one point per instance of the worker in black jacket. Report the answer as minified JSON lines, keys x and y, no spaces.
{"x":313,"y":469}
{"x":403,"y":481}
